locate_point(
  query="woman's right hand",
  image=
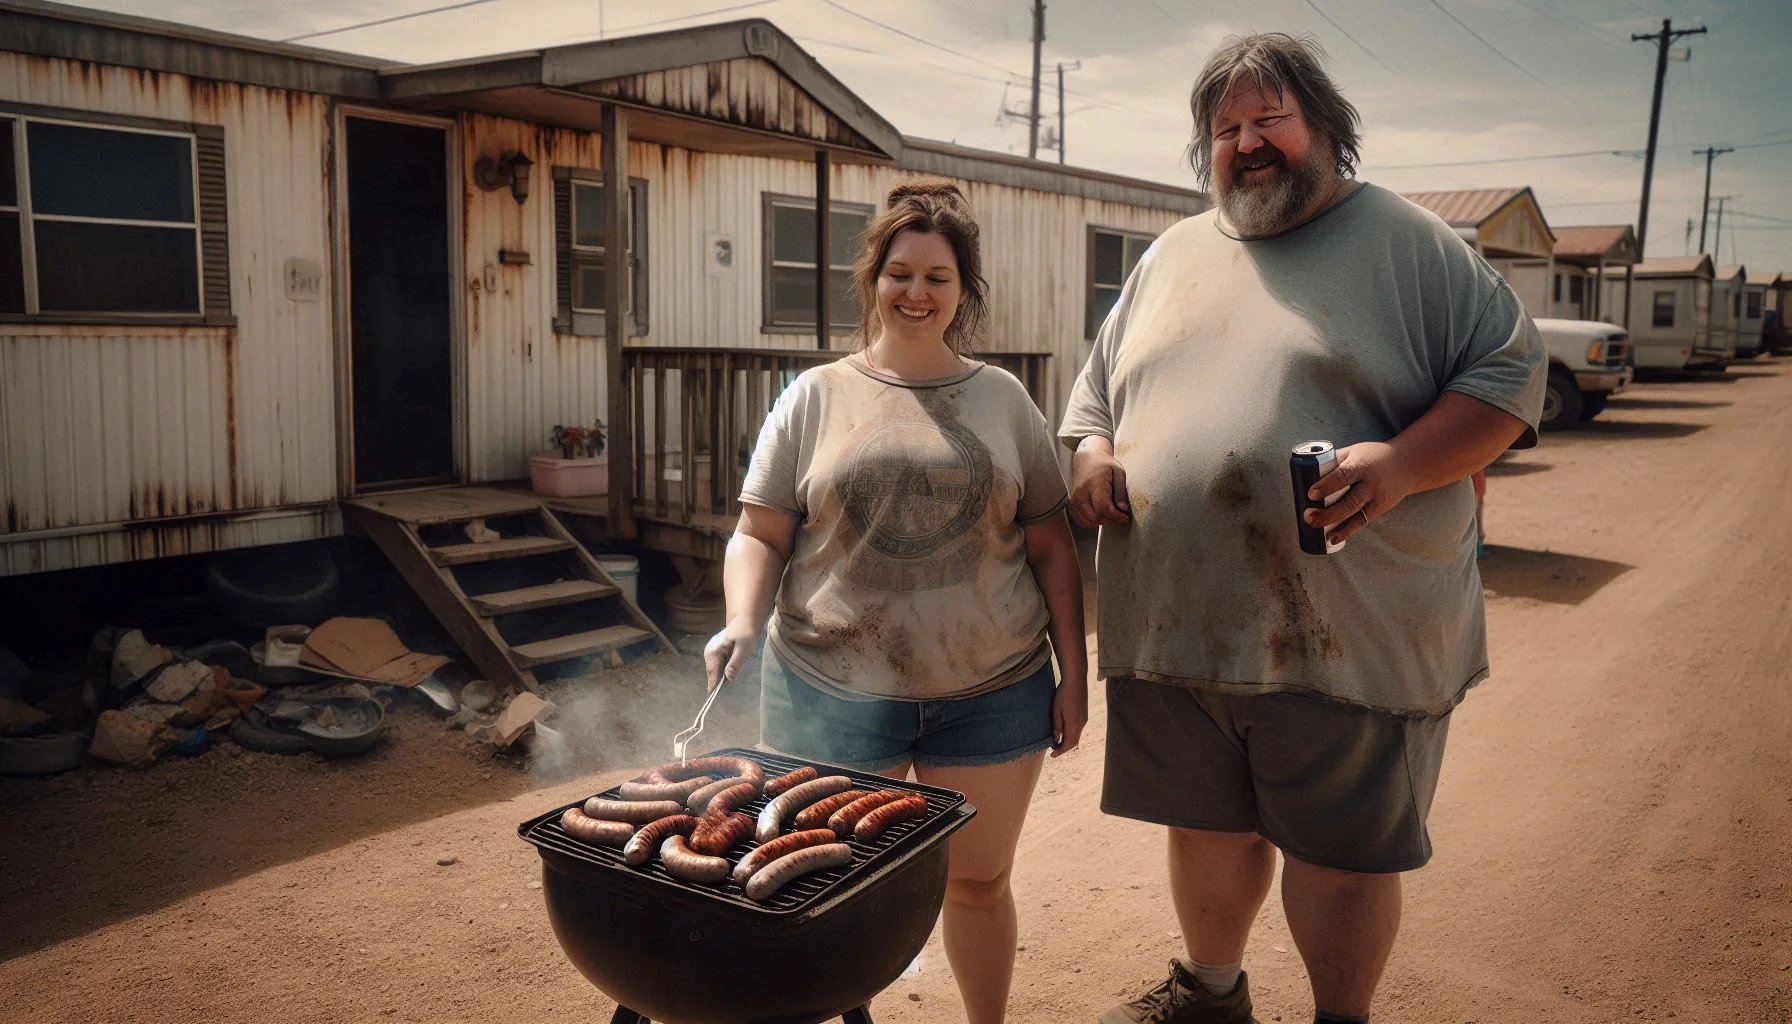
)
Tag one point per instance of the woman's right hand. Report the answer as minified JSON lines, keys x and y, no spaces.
{"x":728,"y":650}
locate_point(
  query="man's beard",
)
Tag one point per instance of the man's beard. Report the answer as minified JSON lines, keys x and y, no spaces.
{"x":1270,"y":207}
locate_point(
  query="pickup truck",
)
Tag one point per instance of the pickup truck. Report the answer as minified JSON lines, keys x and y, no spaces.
{"x":1589,"y":361}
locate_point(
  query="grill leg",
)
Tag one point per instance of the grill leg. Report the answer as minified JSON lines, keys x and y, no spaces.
{"x":862,"y":1015}
{"x":624,"y":1015}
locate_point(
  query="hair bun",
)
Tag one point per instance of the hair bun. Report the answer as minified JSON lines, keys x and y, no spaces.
{"x":925,"y":188}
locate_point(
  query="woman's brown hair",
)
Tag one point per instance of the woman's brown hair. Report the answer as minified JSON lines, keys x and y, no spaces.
{"x":926,"y":205}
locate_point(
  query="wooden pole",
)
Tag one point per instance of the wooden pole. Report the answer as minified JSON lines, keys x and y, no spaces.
{"x":616,"y":319}
{"x":823,"y":245}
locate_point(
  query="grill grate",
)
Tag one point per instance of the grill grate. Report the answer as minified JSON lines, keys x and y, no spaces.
{"x":545,"y":832}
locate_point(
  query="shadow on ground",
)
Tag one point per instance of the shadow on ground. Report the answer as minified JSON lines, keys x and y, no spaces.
{"x":1621,"y":429}
{"x":1550,"y":576}
{"x":1512,"y":467}
{"x":1628,"y":402}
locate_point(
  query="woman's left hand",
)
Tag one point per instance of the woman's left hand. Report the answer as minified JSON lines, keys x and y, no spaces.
{"x":1070,"y":712}
{"x":1377,"y":478}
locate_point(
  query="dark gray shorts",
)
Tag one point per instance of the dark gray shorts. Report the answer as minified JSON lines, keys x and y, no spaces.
{"x":1328,"y":783}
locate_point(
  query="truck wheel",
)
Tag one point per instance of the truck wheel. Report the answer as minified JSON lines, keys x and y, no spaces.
{"x":1561,"y":400}
{"x":1592,"y":404}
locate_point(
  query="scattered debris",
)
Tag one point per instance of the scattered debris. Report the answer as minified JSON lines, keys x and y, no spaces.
{"x":366,"y":649}
{"x":18,"y":718}
{"x":479,"y":533}
{"x":133,"y":657}
{"x":447,"y":861}
{"x":478,"y":695}
{"x":121,"y":739}
{"x":520,"y":715}
{"x":178,"y":681}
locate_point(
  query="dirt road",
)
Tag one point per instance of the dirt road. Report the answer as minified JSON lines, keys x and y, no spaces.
{"x":1613,"y":833}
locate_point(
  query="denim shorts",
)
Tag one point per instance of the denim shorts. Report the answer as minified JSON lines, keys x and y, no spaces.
{"x":872,"y":735}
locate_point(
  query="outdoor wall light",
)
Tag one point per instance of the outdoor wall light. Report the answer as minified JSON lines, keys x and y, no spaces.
{"x":510,"y":169}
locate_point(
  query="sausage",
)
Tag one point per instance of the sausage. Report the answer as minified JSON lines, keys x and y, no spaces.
{"x":640,"y":848}
{"x":716,"y":767}
{"x":585,"y":828}
{"x":774,"y":876}
{"x":872,"y":825}
{"x":635,"y":812}
{"x":771,"y":819}
{"x":846,"y":817}
{"x":717,"y":833}
{"x":698,"y":802}
{"x":729,"y":800}
{"x":762,"y":855}
{"x":640,"y":789}
{"x":816,"y":814}
{"x":682,"y":862}
{"x":784,"y":783}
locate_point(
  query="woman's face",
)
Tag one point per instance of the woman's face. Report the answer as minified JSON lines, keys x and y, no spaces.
{"x":917,"y":287}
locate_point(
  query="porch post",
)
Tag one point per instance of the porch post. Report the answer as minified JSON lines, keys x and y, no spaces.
{"x":1599,"y":292}
{"x":1629,"y":276}
{"x":823,"y":200}
{"x":621,"y":444}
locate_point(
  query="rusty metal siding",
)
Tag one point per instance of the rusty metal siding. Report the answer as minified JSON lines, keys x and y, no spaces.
{"x":122,"y":424}
{"x":745,"y":91}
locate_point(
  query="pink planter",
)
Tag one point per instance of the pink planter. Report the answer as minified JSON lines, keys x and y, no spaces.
{"x":568,"y":478}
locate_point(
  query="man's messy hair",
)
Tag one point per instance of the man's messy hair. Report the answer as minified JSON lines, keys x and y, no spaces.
{"x":1277,"y":64}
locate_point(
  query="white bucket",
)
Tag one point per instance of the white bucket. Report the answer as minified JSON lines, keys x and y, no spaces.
{"x":625,"y":570}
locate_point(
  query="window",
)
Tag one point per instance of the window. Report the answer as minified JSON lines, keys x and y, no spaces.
{"x":1112,"y":257}
{"x":1576,"y":286}
{"x":1664,"y":310}
{"x":581,"y":257}
{"x":790,"y":262}
{"x":112,"y":220}
{"x":1754,"y":305}
{"x":1558,"y":291}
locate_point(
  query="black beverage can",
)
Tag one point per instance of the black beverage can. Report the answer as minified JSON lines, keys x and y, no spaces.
{"x":1310,"y":461}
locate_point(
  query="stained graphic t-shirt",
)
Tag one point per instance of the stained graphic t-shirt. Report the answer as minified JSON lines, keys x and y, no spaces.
{"x":1220,"y":357}
{"x":909,"y":578}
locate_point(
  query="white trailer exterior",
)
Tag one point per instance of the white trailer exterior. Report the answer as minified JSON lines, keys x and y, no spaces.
{"x":1670,"y":313}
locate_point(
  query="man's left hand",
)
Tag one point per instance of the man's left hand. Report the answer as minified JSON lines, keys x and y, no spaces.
{"x":1378,"y":481}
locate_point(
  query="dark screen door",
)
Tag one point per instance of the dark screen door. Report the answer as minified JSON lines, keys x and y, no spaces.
{"x":400,"y":326}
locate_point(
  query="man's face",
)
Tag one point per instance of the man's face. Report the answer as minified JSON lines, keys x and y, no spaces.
{"x":1268,"y":165}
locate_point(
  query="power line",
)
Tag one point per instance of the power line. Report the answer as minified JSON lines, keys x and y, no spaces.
{"x":1631,"y":153}
{"x":1495,"y":49}
{"x":1759,"y":216}
{"x":701,"y":14}
{"x":906,"y":60}
{"x":387,"y":21}
{"x":1359,"y":43}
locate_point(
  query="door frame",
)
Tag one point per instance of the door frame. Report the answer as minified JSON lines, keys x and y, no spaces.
{"x":344,"y":340}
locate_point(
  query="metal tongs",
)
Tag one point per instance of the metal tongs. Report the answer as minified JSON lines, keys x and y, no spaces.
{"x":681,"y":742}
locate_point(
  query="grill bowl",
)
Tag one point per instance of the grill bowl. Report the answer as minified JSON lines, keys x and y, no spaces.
{"x":685,"y":954}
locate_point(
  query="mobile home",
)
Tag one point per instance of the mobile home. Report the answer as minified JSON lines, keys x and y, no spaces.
{"x":1751,"y":308}
{"x":1585,"y":258}
{"x":1726,"y":308}
{"x":1671,"y":313}
{"x":1506,"y":226}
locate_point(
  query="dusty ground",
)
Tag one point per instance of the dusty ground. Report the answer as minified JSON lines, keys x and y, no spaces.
{"x":1613,"y":832}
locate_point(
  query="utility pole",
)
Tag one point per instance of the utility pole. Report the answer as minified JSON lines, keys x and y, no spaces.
{"x":1667,"y":35}
{"x":1078,"y":66}
{"x":1718,"y":241}
{"x":1033,"y":110}
{"x":1711,"y":153}
{"x":1686,"y":247}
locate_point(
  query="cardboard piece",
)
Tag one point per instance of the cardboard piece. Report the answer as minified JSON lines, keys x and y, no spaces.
{"x":524,"y":710}
{"x":366,"y":649}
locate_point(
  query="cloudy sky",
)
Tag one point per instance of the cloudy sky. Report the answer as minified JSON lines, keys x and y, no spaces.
{"x":1446,"y":87}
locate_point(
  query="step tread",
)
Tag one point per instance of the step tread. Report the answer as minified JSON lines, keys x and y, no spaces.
{"x":545,"y":595}
{"x":512,"y":547}
{"x":560,"y":648}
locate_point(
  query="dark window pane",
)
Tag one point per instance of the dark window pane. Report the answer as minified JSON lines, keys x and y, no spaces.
{"x":1100,"y":304}
{"x":1754,"y":305}
{"x":1664,"y":309}
{"x":793,"y":234}
{"x":97,"y":172}
{"x":9,"y":186}
{"x":843,"y":310}
{"x":588,"y":285}
{"x":844,"y":230}
{"x":12,"y":266}
{"x":588,"y":215}
{"x":1135,"y":251}
{"x":1110,"y":258}
{"x":113,"y":268}
{"x":793,"y":295}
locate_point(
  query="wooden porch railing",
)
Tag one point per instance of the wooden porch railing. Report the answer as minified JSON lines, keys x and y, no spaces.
{"x":690,"y":405}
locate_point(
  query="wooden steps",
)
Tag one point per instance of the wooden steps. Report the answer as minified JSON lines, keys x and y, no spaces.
{"x":582,"y":604}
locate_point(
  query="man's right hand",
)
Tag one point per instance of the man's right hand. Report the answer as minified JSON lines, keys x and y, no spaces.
{"x":1098,"y":485}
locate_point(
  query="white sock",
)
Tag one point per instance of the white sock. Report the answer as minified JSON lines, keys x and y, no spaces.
{"x":1220,"y":979}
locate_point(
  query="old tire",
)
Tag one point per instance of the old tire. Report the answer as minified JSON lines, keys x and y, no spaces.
{"x":1593,"y":404}
{"x":274,"y":586}
{"x":1562,"y":400}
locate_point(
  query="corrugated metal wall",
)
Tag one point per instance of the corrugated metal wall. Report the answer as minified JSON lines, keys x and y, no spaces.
{"x":109,"y":424}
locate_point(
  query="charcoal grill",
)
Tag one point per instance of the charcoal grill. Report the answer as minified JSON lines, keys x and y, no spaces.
{"x":676,"y":952}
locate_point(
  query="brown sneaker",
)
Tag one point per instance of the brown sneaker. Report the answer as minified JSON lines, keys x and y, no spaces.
{"x":1183,"y":1000}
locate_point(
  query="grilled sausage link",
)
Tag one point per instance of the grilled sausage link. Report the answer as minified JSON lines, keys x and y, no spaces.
{"x":779,"y":873}
{"x":743,"y":768}
{"x":717,"y":833}
{"x":641,"y":789}
{"x":760,"y":856}
{"x":640,"y":848}
{"x":682,"y":862}
{"x":771,"y":819}
{"x":728,"y":800}
{"x":816,"y":814}
{"x":845,"y":818}
{"x":873,"y":825}
{"x":635,"y":812}
{"x":784,"y":783}
{"x":698,"y":802}
{"x":585,"y":828}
